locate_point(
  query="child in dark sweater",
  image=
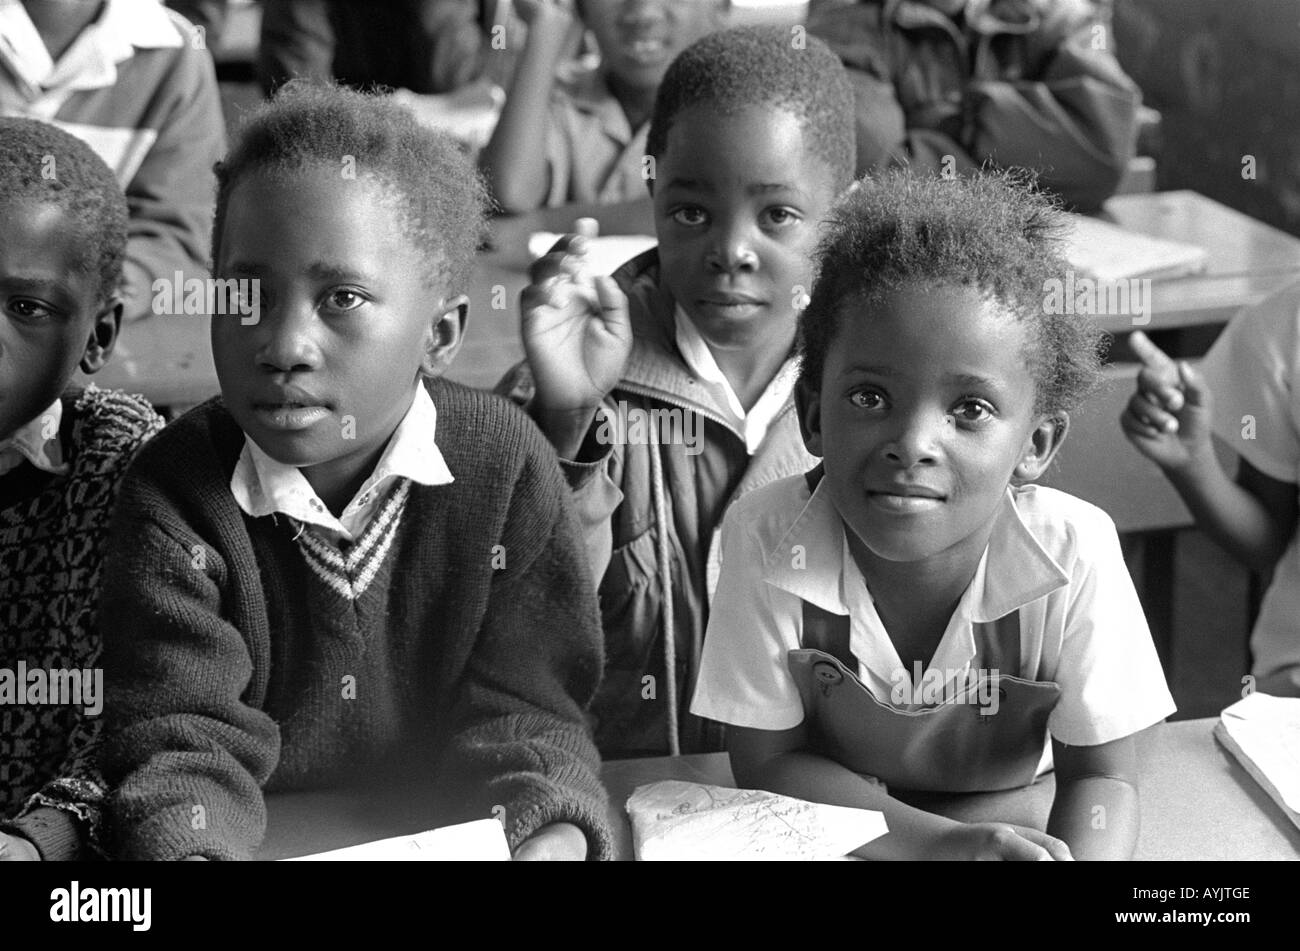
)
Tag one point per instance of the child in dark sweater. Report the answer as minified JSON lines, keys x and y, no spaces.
{"x":344,"y":566}
{"x":62,"y":453}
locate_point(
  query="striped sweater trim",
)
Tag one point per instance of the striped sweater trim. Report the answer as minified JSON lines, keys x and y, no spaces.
{"x":352,"y":574}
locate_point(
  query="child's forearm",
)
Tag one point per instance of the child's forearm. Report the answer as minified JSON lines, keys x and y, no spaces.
{"x":1228,"y":513}
{"x":913,"y":833}
{"x":514,"y":160}
{"x":1097,"y":816}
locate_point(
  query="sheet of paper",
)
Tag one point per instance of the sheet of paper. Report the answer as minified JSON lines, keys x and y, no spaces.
{"x":469,"y":114}
{"x":1267,"y":729}
{"x":605,"y":254}
{"x":1107,"y":252}
{"x":681,"y":821}
{"x":483,"y":840}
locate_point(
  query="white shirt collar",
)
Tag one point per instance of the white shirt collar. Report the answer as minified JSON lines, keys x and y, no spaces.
{"x":262,"y":486}
{"x":91,"y":61}
{"x":754,"y":424}
{"x":803,"y":563}
{"x":38,"y":442}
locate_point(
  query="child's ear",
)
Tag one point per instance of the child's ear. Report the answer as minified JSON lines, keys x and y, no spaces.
{"x":445,"y":333}
{"x":1041,"y":447}
{"x":809,"y":407}
{"x":103,"y":335}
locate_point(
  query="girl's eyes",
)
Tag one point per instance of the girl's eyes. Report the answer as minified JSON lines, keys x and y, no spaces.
{"x":973,"y":411}
{"x":782,"y":217}
{"x":966,"y":411}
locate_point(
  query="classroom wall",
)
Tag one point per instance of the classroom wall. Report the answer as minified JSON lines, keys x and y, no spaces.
{"x":1225,"y":74}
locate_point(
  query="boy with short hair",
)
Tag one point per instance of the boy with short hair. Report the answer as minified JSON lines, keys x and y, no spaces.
{"x":62,"y":454}
{"x":667,"y":390}
{"x":345,"y":567}
{"x":591,"y":126}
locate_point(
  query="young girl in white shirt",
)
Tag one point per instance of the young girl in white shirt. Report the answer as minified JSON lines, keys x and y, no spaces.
{"x":903,"y":628}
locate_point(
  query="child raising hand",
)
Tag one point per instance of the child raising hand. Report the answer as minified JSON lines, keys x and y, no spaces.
{"x":1251,"y":371}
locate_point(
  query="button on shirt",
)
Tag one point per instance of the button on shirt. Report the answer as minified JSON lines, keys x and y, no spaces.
{"x":263,"y":486}
{"x":28,"y":442}
{"x":1054,"y":558}
{"x":752,"y":425}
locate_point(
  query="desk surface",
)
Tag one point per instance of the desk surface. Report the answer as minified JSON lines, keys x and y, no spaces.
{"x":1248,"y":260}
{"x":1197,"y":803}
{"x":168,"y":359}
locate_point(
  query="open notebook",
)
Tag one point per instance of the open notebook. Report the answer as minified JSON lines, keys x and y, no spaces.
{"x":1263,"y":732}
{"x":674,"y":820}
{"x":1107,"y":252}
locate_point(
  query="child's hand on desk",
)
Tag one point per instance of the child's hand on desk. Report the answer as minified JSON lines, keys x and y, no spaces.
{"x":999,"y":842}
{"x":557,"y":842}
{"x":1168,"y":418}
{"x":14,"y":848}
{"x":577,"y":335}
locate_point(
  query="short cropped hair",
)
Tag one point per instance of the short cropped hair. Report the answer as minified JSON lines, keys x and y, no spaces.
{"x":764,"y":66}
{"x":42,"y":163}
{"x":440,"y":193}
{"x":993,"y":231}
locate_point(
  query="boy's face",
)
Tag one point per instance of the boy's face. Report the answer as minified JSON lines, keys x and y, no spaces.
{"x":737,"y":201}
{"x":639,"y":38}
{"x":346,"y":323}
{"x":49,"y":309}
{"x":925,"y":414}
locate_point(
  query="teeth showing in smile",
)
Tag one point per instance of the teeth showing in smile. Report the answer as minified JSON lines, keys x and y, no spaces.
{"x":644,"y":49}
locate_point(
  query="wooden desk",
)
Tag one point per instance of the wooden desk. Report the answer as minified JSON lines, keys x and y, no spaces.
{"x":1196,"y":802}
{"x":1248,"y":260}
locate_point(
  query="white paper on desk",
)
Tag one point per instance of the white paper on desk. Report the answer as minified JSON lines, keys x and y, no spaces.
{"x":1267,"y":729}
{"x":680,"y":821}
{"x":468,"y":114}
{"x":605,"y":254}
{"x":483,"y":840}
{"x":1107,"y":252}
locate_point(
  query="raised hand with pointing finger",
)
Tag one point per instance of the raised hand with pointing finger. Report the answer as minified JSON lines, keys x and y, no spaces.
{"x":1168,"y":418}
{"x":577,"y":335}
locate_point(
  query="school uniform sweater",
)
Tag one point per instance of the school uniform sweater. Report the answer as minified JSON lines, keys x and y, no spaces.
{"x":52,"y":535}
{"x":458,"y":639}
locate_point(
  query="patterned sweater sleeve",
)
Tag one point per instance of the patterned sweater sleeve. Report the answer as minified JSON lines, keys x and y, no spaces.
{"x":183,"y":753}
{"x":63,"y":819}
{"x":519,"y":729}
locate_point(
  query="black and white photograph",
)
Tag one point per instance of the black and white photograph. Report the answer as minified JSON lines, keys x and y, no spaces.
{"x":683,"y":431}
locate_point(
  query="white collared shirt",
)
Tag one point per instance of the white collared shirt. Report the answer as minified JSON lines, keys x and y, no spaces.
{"x":263,"y":486}
{"x":754,"y":424}
{"x":29,"y":442}
{"x":1051,"y":556}
{"x":32,"y":84}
